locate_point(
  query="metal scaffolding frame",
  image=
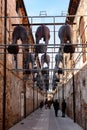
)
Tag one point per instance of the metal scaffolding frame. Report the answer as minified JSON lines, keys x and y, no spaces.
{"x":4,"y":46}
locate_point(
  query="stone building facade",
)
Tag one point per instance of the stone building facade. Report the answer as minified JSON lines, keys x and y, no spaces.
{"x":75,"y":89}
{"x":18,"y":97}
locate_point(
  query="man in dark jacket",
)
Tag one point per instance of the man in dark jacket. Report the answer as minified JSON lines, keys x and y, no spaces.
{"x":41,"y":104}
{"x":56,"y":107}
{"x":63,"y":108}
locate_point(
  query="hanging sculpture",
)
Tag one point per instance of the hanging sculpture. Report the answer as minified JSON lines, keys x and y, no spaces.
{"x":59,"y":58}
{"x":38,"y":80}
{"x":46,"y":81}
{"x":13,"y":49}
{"x":36,"y":68}
{"x":65,"y":35}
{"x":42,"y":32}
{"x":19,"y":32}
{"x":45,"y":59}
{"x":55,"y":78}
{"x":45,"y":70}
{"x":46,"y":77}
{"x":29,"y":59}
{"x":36,"y":77}
{"x":58,"y":70}
{"x":40,"y":84}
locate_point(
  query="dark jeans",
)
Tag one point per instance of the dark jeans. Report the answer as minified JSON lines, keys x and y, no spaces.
{"x":63,"y":113}
{"x":56,"y":112}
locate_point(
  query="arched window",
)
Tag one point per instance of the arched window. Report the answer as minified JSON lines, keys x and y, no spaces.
{"x":82,"y":36}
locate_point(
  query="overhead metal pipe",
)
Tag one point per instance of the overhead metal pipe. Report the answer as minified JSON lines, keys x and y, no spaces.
{"x":36,"y":24}
{"x":57,"y":16}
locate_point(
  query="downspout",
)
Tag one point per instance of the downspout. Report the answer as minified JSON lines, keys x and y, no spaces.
{"x":74,"y":106}
{"x":4,"y":68}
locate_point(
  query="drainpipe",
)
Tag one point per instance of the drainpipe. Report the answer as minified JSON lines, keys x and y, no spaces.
{"x":24,"y":81}
{"x":33,"y":92}
{"x":24,"y":85}
{"x":37,"y":97}
{"x":74,"y":114}
{"x":63,"y":91}
{"x":4,"y":68}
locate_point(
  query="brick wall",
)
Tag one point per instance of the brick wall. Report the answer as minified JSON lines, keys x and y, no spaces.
{"x":80,"y":76}
{"x":15,"y":85}
{"x":80,"y":81}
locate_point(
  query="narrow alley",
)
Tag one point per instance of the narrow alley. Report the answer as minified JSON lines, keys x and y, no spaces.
{"x":45,"y":120}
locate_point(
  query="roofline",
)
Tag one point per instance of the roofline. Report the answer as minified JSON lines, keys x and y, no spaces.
{"x":72,"y":9}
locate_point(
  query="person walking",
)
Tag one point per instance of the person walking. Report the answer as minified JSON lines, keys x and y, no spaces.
{"x":63,"y":107}
{"x":41,"y":105}
{"x":56,"y":107}
{"x":46,"y":103}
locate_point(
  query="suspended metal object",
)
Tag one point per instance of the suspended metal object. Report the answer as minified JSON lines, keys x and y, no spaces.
{"x":29,"y":59}
{"x":19,"y":32}
{"x":69,"y":49}
{"x":13,"y":49}
{"x":39,"y":81}
{"x":65,"y":35}
{"x":35,"y":69}
{"x":46,"y":77}
{"x":45,"y":70}
{"x":45,"y":59}
{"x":59,"y":58}
{"x":55,"y":78}
{"x":58,"y":70}
{"x":40,"y":48}
{"x":42,"y":32}
{"x":36,"y":77}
